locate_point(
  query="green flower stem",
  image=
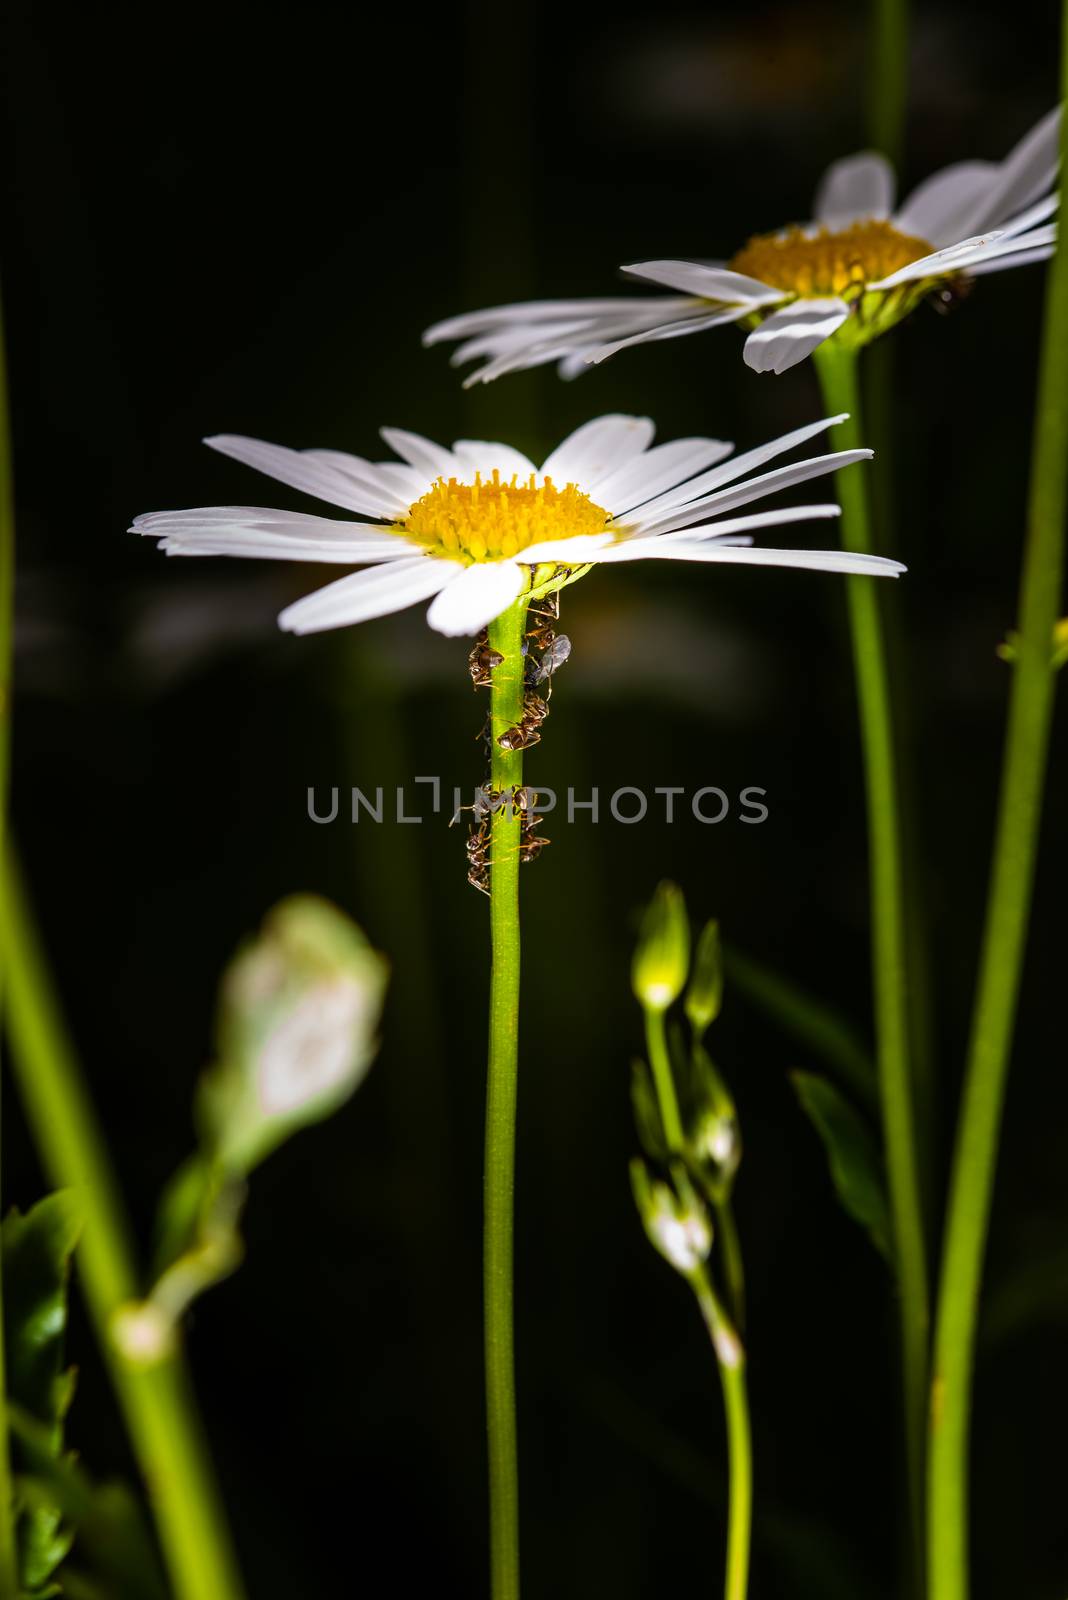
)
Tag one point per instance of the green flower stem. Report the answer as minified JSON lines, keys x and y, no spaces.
{"x":838,"y":376}
{"x":730,"y":1358}
{"x":1008,"y":910}
{"x":156,"y":1399}
{"x":8,"y":1549}
{"x":663,"y":1078}
{"x":506,"y":774}
{"x":888,"y":77}
{"x":731,"y":1259}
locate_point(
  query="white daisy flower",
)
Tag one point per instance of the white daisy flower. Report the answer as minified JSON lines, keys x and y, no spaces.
{"x":851,"y":273}
{"x":475,"y":527}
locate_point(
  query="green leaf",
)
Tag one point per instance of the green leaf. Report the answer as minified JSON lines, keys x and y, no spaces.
{"x":115,"y":1553}
{"x":36,"y":1255}
{"x":853,"y":1155}
{"x":809,"y":1020}
{"x":647,"y":1112}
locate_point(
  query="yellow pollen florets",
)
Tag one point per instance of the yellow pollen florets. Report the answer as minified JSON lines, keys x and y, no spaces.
{"x":822,"y":264}
{"x":489,"y":520}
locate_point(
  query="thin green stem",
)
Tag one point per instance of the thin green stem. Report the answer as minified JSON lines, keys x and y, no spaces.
{"x":506,"y":775}
{"x":888,"y":73}
{"x":1004,"y":942}
{"x":730,"y":1254}
{"x":838,"y":376}
{"x":156,"y":1400}
{"x":730,"y":1357}
{"x":8,"y":1546}
{"x":663,"y":1078}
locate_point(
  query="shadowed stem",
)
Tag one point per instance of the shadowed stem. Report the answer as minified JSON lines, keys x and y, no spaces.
{"x":838,"y":376}
{"x":888,"y":77}
{"x":156,"y":1399}
{"x":1004,"y":941}
{"x":730,"y":1354}
{"x":8,"y":1550}
{"x":506,"y":774}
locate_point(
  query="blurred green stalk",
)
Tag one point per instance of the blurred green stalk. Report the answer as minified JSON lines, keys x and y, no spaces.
{"x":8,"y":1547}
{"x":506,"y":775}
{"x":156,"y":1398}
{"x":888,"y":71}
{"x":730,"y":1353}
{"x":1004,"y":941}
{"x":837,"y":369}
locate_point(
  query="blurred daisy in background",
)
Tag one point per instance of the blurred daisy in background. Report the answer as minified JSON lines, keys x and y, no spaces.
{"x":850,"y":274}
{"x":473,"y":528}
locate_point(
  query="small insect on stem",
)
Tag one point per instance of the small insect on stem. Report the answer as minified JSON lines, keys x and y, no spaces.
{"x":482,"y":661}
{"x":525,"y":733}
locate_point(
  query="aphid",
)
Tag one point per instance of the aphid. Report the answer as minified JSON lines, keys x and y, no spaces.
{"x":553,"y":658}
{"x":482,"y":660}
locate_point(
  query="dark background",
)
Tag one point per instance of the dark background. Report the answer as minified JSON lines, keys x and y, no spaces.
{"x":236,"y":219}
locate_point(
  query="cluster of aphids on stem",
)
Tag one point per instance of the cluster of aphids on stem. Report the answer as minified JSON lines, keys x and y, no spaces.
{"x":544,"y":651}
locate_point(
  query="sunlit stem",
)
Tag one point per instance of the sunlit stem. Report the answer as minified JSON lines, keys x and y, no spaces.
{"x":730,"y":1358}
{"x":1004,"y":942}
{"x":156,"y":1399}
{"x":8,"y":1551}
{"x":838,"y":375}
{"x":506,"y":775}
{"x":663,"y":1078}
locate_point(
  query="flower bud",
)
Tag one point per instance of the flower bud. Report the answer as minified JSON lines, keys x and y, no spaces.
{"x":714,"y":1140}
{"x":704,"y":997}
{"x":678,"y":1226}
{"x":299,"y":1011}
{"x":662,"y":957}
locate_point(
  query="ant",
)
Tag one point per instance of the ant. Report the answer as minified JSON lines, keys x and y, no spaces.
{"x":525,"y":733}
{"x":482,"y":661}
{"x":530,"y":844}
{"x":478,"y":857}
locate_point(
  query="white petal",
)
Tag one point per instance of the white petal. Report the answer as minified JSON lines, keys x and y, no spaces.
{"x":937,"y":263}
{"x":572,"y":552}
{"x":938,"y":209}
{"x":478,"y":595}
{"x":710,"y":283}
{"x":789,"y":335}
{"x":671,"y":330}
{"x":725,"y":532}
{"x":423,"y":454}
{"x":471,"y":323}
{"x":861,"y":186}
{"x":820,"y":560}
{"x":963,"y":257}
{"x":743,"y":494}
{"x":365,"y":477}
{"x":1025,"y":174}
{"x":256,"y":532}
{"x":663,"y":467}
{"x":563,"y":340}
{"x":1038,"y":239}
{"x":481,"y":455}
{"x":735,"y":468}
{"x":597,"y":448}
{"x":301,"y":470}
{"x":1023,"y":259}
{"x":376,"y":592}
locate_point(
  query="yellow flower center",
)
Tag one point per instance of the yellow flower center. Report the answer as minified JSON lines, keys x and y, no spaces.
{"x":490,"y":520}
{"x":821,"y":264}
